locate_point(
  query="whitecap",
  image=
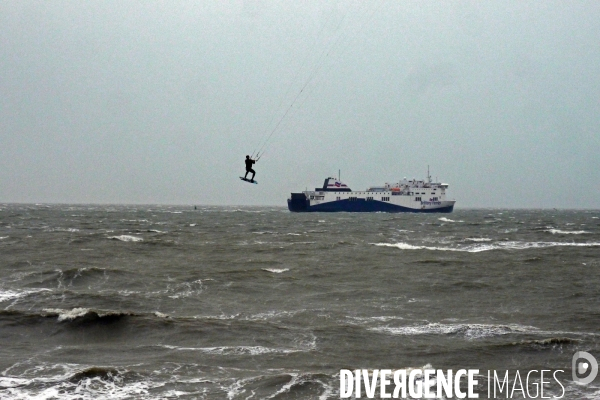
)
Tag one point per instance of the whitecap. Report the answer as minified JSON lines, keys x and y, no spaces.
{"x":67,"y":315}
{"x":558,"y":231}
{"x":3,"y":237}
{"x":271,"y":314}
{"x":382,"y":318}
{"x":276,"y":270}
{"x":234,"y":350}
{"x":476,"y":248}
{"x":479,"y":239}
{"x":126,"y":238}
{"x":70,"y":385}
{"x":471,"y":331}
{"x":6,"y":295}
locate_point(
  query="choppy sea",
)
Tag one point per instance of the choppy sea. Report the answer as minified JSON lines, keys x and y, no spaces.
{"x":159,"y":302}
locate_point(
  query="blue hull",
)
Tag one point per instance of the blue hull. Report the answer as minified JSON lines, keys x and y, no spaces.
{"x":297,"y":204}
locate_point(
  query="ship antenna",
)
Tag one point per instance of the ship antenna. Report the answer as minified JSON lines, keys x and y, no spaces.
{"x":339,"y":176}
{"x":428,"y":176}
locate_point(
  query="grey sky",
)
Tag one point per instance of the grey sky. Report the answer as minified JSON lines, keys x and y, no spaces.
{"x":159,"y":102}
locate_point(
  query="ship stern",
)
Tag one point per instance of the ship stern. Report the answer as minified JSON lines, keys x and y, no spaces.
{"x":298,"y":202}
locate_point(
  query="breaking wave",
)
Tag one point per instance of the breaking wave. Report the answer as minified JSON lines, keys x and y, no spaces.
{"x":70,"y":382}
{"x":6,"y":295}
{"x":126,"y":238}
{"x":476,"y":248}
{"x":83,"y":314}
{"x":558,"y":231}
{"x":276,"y":270}
{"x":470,"y":331}
{"x":235,"y":350}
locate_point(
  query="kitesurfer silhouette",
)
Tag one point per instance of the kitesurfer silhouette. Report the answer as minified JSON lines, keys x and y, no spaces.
{"x":249,"y":163}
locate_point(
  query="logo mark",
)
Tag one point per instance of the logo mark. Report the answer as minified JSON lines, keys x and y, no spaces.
{"x":581,"y":368}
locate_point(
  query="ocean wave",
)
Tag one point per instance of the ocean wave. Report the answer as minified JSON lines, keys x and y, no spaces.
{"x":234,"y":350}
{"x":70,"y":382}
{"x":479,"y":239}
{"x":470,"y":331}
{"x":3,"y":237}
{"x":544,"y":343}
{"x":376,"y":319}
{"x":444,"y":219}
{"x":6,"y":295}
{"x":83,"y":314}
{"x":561,"y":232}
{"x":126,"y":238}
{"x":276,"y":270}
{"x":269,"y":315}
{"x":58,"y":229}
{"x":291,"y":384}
{"x":476,"y":248}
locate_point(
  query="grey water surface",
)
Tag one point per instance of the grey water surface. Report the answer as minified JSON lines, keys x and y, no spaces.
{"x":158,"y":302}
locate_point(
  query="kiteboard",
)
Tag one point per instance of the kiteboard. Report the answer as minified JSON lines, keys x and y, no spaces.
{"x":249,"y":181}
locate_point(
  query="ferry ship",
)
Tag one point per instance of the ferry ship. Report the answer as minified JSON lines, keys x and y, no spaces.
{"x":405,"y":196}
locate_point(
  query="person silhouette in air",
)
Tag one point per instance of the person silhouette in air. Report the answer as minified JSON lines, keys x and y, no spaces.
{"x":249,"y":163}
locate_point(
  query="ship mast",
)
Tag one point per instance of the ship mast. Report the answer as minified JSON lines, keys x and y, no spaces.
{"x":428,"y":176}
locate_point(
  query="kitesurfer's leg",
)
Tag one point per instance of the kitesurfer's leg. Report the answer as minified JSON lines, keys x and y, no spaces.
{"x":253,"y":173}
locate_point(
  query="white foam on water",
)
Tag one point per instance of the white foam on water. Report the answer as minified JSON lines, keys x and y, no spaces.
{"x":296,"y":379}
{"x":479,"y":239}
{"x":470,"y":331}
{"x":271,"y":315}
{"x":234,"y":350}
{"x":476,"y":248}
{"x":185,"y":289}
{"x":126,"y":238}
{"x":50,"y":382}
{"x":447,"y":219}
{"x":276,"y":270}
{"x":299,"y":380}
{"x":379,"y":319}
{"x":558,"y":231}
{"x":6,"y":295}
{"x":192,"y":224}
{"x":67,"y":315}
{"x":3,"y":237}
{"x":219,"y":317}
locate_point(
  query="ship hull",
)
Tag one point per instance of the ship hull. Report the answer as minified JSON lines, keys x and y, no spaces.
{"x":301,"y":204}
